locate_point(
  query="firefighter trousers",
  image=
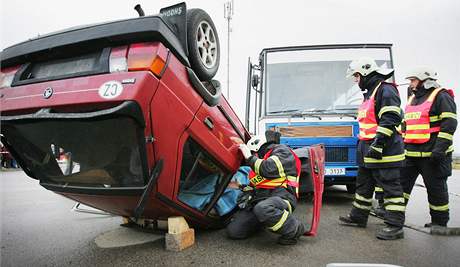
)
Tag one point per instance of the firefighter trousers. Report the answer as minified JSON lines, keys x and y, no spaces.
{"x":379,"y":194}
{"x":389,"y":180}
{"x":436,"y":187}
{"x":274,"y":213}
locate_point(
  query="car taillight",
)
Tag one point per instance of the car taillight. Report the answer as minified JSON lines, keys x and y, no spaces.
{"x":7,"y":76}
{"x":118,"y":61}
{"x":147,"y":56}
{"x":139,"y":57}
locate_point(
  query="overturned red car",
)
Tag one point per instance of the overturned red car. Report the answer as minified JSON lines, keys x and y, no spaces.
{"x":124,"y":116}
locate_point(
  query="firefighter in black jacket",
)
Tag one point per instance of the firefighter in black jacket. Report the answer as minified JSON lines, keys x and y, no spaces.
{"x":429,"y":125}
{"x":380,"y":149}
{"x":272,"y":195}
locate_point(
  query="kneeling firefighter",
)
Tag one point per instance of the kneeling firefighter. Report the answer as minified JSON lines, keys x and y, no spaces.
{"x":430,"y":124}
{"x":271,"y":197}
{"x":380,"y":149}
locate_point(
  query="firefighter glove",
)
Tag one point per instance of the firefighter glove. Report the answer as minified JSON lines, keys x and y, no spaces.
{"x":375,"y":151}
{"x":244,"y":199}
{"x":437,"y":157}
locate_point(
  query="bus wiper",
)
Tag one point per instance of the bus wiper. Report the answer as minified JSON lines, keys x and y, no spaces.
{"x":352,"y":112}
{"x":352,"y":115}
{"x":312,"y":113}
{"x":312,"y":110}
{"x":308,"y":113}
{"x":284,"y":111}
{"x":346,"y":107}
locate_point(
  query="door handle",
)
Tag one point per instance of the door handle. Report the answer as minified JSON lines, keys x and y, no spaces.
{"x":209,"y":123}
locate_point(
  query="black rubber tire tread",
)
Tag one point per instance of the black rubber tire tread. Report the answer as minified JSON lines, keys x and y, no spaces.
{"x":194,"y":17}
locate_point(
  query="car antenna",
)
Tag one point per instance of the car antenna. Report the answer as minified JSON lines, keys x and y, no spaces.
{"x":139,"y":10}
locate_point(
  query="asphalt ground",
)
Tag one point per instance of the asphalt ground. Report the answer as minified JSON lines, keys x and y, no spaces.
{"x":38,"y":228}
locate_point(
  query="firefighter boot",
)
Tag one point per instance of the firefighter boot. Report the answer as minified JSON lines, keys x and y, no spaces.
{"x":390,"y":232}
{"x":349,"y":221}
{"x":285,"y":240}
{"x":429,"y":225}
{"x":378,"y":211}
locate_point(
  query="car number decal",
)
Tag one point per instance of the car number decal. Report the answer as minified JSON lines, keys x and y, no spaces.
{"x":110,"y":90}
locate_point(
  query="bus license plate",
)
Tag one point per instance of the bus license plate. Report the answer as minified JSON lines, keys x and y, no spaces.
{"x":335,"y":171}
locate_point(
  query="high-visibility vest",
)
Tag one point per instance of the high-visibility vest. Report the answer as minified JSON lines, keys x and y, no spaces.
{"x":283,"y":181}
{"x":366,"y":117}
{"x":417,"y":118}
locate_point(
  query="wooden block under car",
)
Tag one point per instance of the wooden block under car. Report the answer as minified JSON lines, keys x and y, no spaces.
{"x":177,"y":225}
{"x":179,"y":235}
{"x":178,"y":242}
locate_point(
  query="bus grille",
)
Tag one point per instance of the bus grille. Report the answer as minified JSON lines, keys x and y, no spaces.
{"x":336,"y":154}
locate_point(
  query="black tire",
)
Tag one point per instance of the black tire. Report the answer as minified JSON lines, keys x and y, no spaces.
{"x":204,"y":66}
{"x":351,"y":188}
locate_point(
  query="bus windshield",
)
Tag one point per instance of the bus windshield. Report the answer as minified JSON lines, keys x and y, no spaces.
{"x":313,"y":81}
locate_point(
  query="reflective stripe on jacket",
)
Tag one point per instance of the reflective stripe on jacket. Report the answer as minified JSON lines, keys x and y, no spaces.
{"x":417,"y":119}
{"x":442,"y":115}
{"x":283,"y":179}
{"x":387,"y":113}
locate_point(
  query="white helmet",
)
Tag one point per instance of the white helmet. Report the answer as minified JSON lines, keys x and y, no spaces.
{"x":365,"y":66}
{"x":256,"y":142}
{"x":422,"y":73}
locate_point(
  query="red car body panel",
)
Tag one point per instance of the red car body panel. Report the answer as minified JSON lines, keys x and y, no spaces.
{"x":173,"y":111}
{"x":317,"y":161}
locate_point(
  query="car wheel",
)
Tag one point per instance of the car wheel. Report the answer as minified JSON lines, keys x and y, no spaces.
{"x":351,"y":188}
{"x":203,"y":44}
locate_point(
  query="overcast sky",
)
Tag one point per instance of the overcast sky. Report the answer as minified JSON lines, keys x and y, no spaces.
{"x":423,"y":32}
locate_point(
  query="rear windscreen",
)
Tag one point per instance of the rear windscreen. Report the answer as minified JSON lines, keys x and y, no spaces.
{"x":102,"y":153}
{"x":65,"y":66}
{"x":87,"y":64}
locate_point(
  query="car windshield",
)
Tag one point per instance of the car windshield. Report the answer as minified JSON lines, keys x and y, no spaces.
{"x":314,"y":82}
{"x":93,"y":153}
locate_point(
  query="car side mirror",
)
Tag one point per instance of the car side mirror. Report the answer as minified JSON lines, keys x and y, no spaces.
{"x":255,"y":80}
